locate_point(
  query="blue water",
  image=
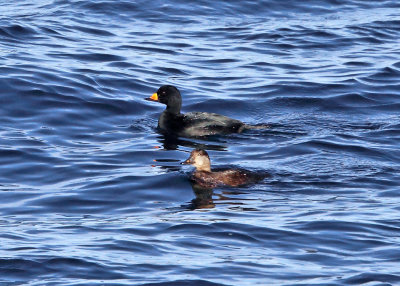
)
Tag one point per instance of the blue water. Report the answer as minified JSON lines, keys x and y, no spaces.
{"x":92,"y":194}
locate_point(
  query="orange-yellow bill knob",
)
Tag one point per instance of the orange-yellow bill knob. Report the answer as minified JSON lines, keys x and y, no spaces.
{"x":154,"y":97}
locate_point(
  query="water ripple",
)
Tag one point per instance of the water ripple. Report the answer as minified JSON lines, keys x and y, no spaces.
{"x":92,"y":194}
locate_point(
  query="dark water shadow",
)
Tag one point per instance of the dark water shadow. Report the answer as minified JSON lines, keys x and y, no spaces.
{"x":206,"y":198}
{"x":172,"y":142}
{"x":203,"y":199}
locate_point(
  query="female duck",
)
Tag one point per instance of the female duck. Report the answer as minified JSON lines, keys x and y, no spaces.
{"x":204,"y":176}
{"x":192,"y":124}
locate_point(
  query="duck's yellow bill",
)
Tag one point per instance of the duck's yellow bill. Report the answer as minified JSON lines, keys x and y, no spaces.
{"x":154,"y":97}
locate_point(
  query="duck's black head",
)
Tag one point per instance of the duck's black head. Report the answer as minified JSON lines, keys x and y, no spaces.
{"x":170,"y":96}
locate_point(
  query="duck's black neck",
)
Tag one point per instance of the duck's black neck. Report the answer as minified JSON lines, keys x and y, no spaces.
{"x":175,"y":109}
{"x":174,"y":104}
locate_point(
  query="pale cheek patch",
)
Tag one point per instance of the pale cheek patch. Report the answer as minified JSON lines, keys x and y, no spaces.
{"x":202,"y":163}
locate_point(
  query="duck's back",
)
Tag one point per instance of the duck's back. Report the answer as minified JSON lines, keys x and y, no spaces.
{"x":204,"y":124}
{"x":233,"y":177}
{"x":229,"y":177}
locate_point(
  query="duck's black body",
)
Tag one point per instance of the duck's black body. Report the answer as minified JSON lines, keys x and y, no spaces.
{"x":192,"y":124}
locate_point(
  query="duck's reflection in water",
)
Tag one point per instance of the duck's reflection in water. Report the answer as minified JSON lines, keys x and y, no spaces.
{"x":172,"y":142}
{"x":205,"y":198}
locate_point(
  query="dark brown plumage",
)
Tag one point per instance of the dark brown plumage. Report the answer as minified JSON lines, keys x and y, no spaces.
{"x":207,"y":178}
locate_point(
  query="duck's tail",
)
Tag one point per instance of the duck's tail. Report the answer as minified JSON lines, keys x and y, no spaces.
{"x":253,"y":127}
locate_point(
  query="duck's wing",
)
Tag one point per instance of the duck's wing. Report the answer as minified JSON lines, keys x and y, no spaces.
{"x":204,"y":123}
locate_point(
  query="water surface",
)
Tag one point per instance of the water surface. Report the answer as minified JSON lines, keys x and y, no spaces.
{"x":92,"y":194}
